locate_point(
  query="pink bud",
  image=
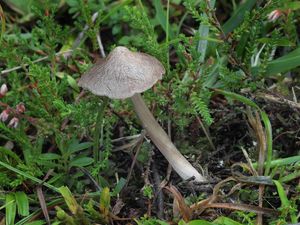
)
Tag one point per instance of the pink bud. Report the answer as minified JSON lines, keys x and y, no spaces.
{"x":3,"y":90}
{"x":4,"y":115}
{"x":274,"y":15}
{"x":14,"y":122}
{"x":20,"y":108}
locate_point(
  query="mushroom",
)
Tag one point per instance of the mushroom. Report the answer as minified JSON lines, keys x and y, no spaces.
{"x":125,"y":74}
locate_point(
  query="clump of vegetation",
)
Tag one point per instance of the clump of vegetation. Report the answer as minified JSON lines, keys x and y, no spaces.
{"x":228,"y":101}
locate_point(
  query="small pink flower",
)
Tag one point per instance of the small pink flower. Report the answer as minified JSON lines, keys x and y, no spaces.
{"x":20,"y":108}
{"x":4,"y":115}
{"x":14,"y":122}
{"x":274,"y":15}
{"x":3,"y":90}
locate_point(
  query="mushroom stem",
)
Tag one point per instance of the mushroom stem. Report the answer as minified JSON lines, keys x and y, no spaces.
{"x":162,"y":141}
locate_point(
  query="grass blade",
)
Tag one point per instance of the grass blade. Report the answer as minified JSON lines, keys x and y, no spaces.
{"x":264,"y":118}
{"x":161,"y":17}
{"x":28,"y":176}
{"x":284,"y":63}
{"x":282,"y":162}
{"x":285,"y":203}
{"x":237,"y":18}
{"x":203,"y":32}
{"x":268,"y":129}
{"x":290,"y":176}
{"x":10,"y":153}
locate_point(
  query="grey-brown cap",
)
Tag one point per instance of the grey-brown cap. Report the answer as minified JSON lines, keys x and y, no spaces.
{"x":122,"y":74}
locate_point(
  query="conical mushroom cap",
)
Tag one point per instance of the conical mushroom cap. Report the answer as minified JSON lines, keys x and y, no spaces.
{"x":122,"y":74}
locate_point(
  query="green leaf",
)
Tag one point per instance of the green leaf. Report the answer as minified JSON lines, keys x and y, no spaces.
{"x":151,"y":222}
{"x":49,"y":156}
{"x":22,"y":203}
{"x":10,"y":209}
{"x":76,"y":147}
{"x":199,"y":222}
{"x":161,"y":222}
{"x":37,"y":222}
{"x":71,"y":81}
{"x":37,"y":212}
{"x":119,"y":187}
{"x":69,"y":199}
{"x":284,"y":63}
{"x":237,"y":18}
{"x":104,"y":202}
{"x":83,"y":161}
{"x":225,"y":221}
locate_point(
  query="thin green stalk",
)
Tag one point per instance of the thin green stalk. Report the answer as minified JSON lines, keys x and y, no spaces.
{"x":97,"y":132}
